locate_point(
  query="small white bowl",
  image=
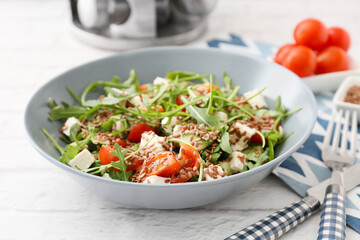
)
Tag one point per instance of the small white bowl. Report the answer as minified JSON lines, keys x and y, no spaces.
{"x":340,"y":94}
{"x":331,"y":81}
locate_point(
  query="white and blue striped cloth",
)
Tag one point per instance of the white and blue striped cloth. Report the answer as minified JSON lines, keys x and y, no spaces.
{"x":305,"y":167}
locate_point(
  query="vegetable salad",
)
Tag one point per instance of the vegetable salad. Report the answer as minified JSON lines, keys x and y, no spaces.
{"x":180,"y":128}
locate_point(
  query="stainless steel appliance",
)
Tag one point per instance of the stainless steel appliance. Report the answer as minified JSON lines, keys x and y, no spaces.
{"x":127,"y":24}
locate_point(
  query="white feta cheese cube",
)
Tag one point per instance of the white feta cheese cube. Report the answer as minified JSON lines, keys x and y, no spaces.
{"x":214,"y":172}
{"x":119,"y":125}
{"x":120,"y":92}
{"x":243,"y":136}
{"x":177,"y":130}
{"x":106,"y":175}
{"x":159,"y":81}
{"x":71,"y":122}
{"x":156,"y":143}
{"x":223,"y":116}
{"x":238,"y":160}
{"x":169,"y":127}
{"x":137,"y":101}
{"x":258,"y":101}
{"x":153,"y":179}
{"x":82,"y":160}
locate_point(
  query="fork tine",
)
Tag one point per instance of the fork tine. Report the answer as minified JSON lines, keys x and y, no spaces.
{"x":344,"y":137}
{"x":354,"y":134}
{"x":336,"y":138}
{"x":329,"y":130}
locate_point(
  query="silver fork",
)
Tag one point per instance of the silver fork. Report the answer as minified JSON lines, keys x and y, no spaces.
{"x":333,"y":217}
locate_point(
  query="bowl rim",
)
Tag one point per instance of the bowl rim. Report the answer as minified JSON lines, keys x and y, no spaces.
{"x":231,"y":178}
{"x":339,"y":97}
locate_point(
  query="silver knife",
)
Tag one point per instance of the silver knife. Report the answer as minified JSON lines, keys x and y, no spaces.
{"x":280,"y":222}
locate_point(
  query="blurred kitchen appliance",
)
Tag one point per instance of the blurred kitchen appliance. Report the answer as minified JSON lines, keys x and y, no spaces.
{"x":128,"y":24}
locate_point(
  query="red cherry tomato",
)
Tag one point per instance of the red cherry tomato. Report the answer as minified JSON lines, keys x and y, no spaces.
{"x":301,"y":60}
{"x":159,"y":108}
{"x":338,"y":37}
{"x":240,"y":99}
{"x":105,"y":155}
{"x":256,"y":138}
{"x":134,"y":163}
{"x":332,"y":59}
{"x":189,"y":156}
{"x":283,"y":52}
{"x":121,"y":142}
{"x":137,"y":130}
{"x":143,"y":87}
{"x":162,"y":165}
{"x":179,"y":101}
{"x":311,"y":33}
{"x":203,"y":89}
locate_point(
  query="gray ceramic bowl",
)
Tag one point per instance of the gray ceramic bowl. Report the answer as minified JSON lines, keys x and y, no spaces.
{"x":247,"y":71}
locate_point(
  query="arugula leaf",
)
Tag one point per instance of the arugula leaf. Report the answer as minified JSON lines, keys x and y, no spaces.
{"x":208,"y":111}
{"x":226,"y":80}
{"x":71,"y":150}
{"x":120,"y":164}
{"x":103,"y":84}
{"x":278,"y":107}
{"x":73,"y":94}
{"x":179,"y":74}
{"x":115,"y":79}
{"x":225,"y":144}
{"x":160,"y":93}
{"x":58,"y":112}
{"x":201,"y":117}
{"x":133,"y":79}
{"x":56,"y":145}
{"x":271,"y":113}
{"x":105,"y":101}
{"x":271,"y":149}
{"x":215,"y":157}
{"x":52,"y":103}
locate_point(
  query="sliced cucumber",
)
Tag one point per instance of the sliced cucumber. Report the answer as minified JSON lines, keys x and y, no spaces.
{"x":196,"y":141}
{"x":226,"y":167}
{"x":254,"y":152}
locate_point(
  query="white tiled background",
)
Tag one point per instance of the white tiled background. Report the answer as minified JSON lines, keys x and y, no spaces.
{"x":40,"y":201}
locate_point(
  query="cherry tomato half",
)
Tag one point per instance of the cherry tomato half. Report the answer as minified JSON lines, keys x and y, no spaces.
{"x":143,"y":87}
{"x":121,"y":142}
{"x":338,"y":37}
{"x":189,"y":156}
{"x":301,"y":60}
{"x":311,"y":33}
{"x":159,"y":108}
{"x":137,"y":130}
{"x":256,"y":138}
{"x":162,"y":165}
{"x":180,"y":102}
{"x":203,"y":89}
{"x":332,"y":59}
{"x":105,"y":155}
{"x":134,"y":163}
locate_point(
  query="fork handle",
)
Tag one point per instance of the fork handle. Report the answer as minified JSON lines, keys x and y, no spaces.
{"x":333,"y":217}
{"x":280,"y":222}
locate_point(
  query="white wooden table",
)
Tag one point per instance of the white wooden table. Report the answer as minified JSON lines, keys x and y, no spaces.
{"x":40,"y":201}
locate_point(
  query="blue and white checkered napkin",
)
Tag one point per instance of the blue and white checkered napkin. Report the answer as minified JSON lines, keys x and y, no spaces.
{"x":305,"y":167}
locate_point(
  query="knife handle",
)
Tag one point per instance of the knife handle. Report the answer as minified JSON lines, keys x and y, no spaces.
{"x":333,"y":218}
{"x":280,"y":222}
